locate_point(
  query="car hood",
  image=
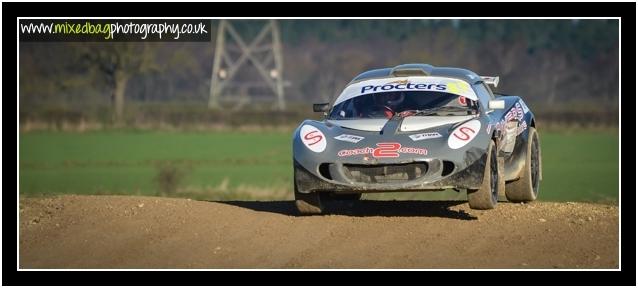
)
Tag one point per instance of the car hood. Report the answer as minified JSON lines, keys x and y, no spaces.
{"x":412,"y":123}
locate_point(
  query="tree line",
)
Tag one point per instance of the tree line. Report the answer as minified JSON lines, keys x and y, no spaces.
{"x":548,"y":62}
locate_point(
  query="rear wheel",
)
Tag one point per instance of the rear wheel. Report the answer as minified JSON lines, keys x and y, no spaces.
{"x":525,"y":189}
{"x":486,"y":197}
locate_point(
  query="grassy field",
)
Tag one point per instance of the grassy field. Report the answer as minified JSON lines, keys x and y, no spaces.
{"x":579,"y":166}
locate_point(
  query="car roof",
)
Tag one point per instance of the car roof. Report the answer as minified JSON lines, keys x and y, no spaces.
{"x":417,"y":69}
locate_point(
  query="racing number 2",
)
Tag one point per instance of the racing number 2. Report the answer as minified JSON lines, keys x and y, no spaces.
{"x":387,"y":150}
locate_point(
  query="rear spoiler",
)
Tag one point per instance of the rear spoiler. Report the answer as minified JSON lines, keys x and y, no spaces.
{"x":490,"y":80}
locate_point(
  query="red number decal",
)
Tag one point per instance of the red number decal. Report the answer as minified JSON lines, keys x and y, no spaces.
{"x":386,"y":150}
{"x":315,"y":138}
{"x":466,"y":135}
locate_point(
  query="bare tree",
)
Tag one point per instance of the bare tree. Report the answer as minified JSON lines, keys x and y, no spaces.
{"x":119,"y":62}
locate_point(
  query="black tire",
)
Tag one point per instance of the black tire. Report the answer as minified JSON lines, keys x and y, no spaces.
{"x":308,"y":203}
{"x":345,"y":197}
{"x":501,"y":179}
{"x":526,"y":188}
{"x":486,"y":197}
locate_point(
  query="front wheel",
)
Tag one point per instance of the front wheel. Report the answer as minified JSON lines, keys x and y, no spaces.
{"x":486,"y":197}
{"x":525,"y":189}
{"x":309,"y":203}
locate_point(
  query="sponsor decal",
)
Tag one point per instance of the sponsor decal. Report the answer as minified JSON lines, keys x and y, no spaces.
{"x":383,"y":150}
{"x":464,"y":134}
{"x":313,"y":138}
{"x":521,"y":128}
{"x":400,"y":85}
{"x":412,"y":83}
{"x":517,"y":112}
{"x":423,"y":136}
{"x":356,"y":151}
{"x":349,"y":138}
{"x":457,"y":88}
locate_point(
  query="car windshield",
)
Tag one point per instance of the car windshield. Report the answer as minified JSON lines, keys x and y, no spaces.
{"x":403,"y":104}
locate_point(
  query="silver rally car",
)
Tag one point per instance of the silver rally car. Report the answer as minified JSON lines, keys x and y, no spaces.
{"x":416,"y":127}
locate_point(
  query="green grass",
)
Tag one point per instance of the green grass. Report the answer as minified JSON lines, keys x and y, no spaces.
{"x":579,"y":166}
{"x":128,"y":162}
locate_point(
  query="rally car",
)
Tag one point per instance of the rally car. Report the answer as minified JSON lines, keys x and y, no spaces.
{"x":416,"y":127}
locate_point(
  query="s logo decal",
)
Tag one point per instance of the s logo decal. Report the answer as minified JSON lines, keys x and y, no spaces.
{"x":464,"y":134}
{"x":313,"y":138}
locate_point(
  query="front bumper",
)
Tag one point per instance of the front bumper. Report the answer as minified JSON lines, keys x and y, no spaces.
{"x":434,"y":179}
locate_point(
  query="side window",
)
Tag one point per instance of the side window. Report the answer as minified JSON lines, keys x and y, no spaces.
{"x":484,"y":94}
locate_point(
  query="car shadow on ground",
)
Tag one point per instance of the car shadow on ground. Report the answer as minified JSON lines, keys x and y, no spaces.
{"x":363,"y":208}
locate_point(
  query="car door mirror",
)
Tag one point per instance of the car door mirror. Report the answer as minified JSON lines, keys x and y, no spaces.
{"x":321,"y":107}
{"x":496,"y":104}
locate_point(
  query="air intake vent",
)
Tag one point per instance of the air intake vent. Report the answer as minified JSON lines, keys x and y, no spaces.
{"x":448,"y":168}
{"x":324,"y":170}
{"x":409,"y":72}
{"x":393,"y":173}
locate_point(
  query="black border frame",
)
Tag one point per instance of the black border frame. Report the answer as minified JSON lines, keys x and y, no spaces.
{"x":626,"y":10}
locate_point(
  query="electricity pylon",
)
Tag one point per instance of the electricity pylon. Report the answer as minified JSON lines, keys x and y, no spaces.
{"x":269,"y":66}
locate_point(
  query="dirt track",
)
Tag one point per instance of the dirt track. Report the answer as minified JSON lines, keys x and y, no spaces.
{"x":148,"y":232}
